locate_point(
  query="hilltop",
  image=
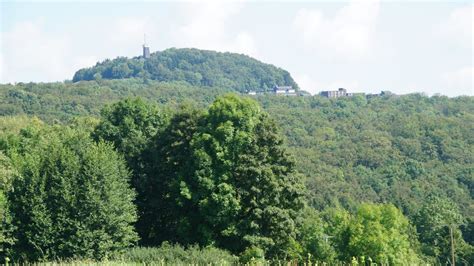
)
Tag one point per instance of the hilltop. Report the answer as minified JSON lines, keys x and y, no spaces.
{"x":196,"y":67}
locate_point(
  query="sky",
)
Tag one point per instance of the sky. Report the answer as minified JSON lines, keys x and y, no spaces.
{"x":363,"y":46}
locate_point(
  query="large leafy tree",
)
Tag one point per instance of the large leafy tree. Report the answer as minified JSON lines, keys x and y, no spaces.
{"x":381,"y":233}
{"x":375,"y":232}
{"x":241,"y":185}
{"x":219,"y":178}
{"x":71,"y":196}
{"x":130,"y":125}
{"x":315,"y":238}
{"x":438,"y":224}
{"x":6,"y":173}
{"x":169,"y":214}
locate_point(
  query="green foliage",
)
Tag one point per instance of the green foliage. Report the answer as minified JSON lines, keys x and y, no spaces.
{"x":218,"y":178}
{"x":394,"y":149}
{"x":197,"y":67}
{"x":6,"y":173}
{"x":434,"y":221}
{"x":252,"y":254}
{"x":382,"y":233}
{"x":70,"y":198}
{"x":129,"y":124}
{"x":248,"y":191}
{"x":61,"y":102}
{"x":169,"y":214}
{"x":314,"y":238}
{"x":176,"y":255}
{"x":227,"y":179}
{"x":375,"y":232}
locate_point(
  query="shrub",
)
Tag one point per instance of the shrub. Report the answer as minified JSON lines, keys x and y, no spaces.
{"x":252,"y":255}
{"x":71,"y":197}
{"x":177,"y":255}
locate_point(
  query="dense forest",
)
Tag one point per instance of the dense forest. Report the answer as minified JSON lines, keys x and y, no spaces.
{"x":197,"y":67}
{"x":91,"y":169}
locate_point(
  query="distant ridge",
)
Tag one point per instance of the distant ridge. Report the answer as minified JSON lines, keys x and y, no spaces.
{"x":197,"y":67}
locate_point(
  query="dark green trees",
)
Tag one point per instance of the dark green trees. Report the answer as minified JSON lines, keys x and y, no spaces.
{"x":438,"y":224}
{"x":130,"y":125}
{"x":221,"y":177}
{"x":170,"y":214}
{"x":71,"y":197}
{"x":245,"y":184}
{"x":6,"y":172}
{"x":196,"y":67}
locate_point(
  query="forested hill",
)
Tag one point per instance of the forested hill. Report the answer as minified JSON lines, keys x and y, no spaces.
{"x":412,"y":152}
{"x":197,"y":67}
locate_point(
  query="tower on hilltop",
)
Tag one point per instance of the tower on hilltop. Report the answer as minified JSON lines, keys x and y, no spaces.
{"x":146,"y":48}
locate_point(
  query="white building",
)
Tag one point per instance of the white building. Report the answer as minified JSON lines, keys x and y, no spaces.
{"x":284,"y":90}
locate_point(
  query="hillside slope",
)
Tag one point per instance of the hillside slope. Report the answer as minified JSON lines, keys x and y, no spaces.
{"x":197,"y":67}
{"x":385,"y":149}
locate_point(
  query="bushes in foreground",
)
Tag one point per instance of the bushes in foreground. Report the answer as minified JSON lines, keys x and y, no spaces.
{"x":169,"y":254}
{"x":70,"y":197}
{"x":216,"y":177}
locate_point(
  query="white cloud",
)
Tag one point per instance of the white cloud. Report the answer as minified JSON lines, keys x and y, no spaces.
{"x":31,"y":53}
{"x":458,"y":27}
{"x":305,"y":82}
{"x":128,"y":29}
{"x":207,"y":28}
{"x":27,"y":48}
{"x":459,"y":82}
{"x":84,"y":61}
{"x":244,"y":43}
{"x":349,"y":34}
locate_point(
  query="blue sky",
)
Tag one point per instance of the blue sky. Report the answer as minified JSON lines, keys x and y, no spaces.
{"x":364,"y":46}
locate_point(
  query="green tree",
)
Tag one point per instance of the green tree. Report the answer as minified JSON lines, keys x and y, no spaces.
{"x":6,"y":238}
{"x":196,"y":67}
{"x":376,"y":231}
{"x":169,"y":214}
{"x":314,"y":238}
{"x":71,"y":197}
{"x":246,"y":189}
{"x":130,"y":125}
{"x":438,"y":224}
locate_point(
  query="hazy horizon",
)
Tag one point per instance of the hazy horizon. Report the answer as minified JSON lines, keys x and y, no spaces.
{"x":364,"y":46}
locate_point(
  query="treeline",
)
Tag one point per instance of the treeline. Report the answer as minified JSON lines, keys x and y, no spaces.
{"x":220,"y":177}
{"x":63,"y":101}
{"x":414,"y":152}
{"x":196,"y":67}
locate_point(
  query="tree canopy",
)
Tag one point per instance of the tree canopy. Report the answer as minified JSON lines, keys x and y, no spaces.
{"x":189,"y":155}
{"x":221,"y":177}
{"x":197,"y":67}
{"x":70,"y":196}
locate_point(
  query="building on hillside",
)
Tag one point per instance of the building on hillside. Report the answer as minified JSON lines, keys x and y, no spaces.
{"x":146,"y":51}
{"x":284,"y":90}
{"x":277,"y":90}
{"x":146,"y":48}
{"x":341,"y":92}
{"x":382,"y":93}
